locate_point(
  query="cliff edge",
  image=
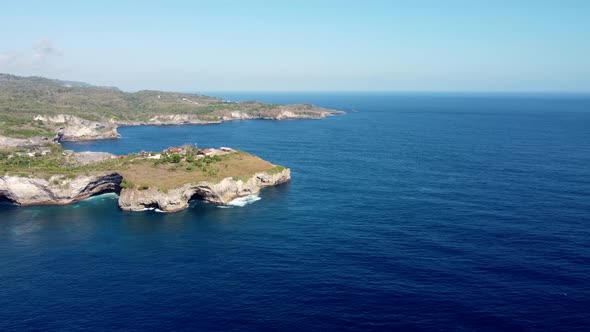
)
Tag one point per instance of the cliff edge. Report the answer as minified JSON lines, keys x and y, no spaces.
{"x":165,"y":180}
{"x":27,"y":191}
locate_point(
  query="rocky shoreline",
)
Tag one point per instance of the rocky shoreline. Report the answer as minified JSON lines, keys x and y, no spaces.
{"x":26,"y":191}
{"x":73,"y":128}
{"x":219,"y":193}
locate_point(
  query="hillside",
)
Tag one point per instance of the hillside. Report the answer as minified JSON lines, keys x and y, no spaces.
{"x":24,"y":98}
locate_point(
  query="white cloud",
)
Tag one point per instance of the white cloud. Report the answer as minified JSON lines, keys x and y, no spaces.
{"x":38,"y":60}
{"x":7,"y":59}
{"x":44,"y":49}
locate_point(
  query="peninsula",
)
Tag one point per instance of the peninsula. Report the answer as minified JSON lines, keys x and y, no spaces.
{"x":37,"y":113}
{"x":165,"y":180}
{"x":36,"y":109}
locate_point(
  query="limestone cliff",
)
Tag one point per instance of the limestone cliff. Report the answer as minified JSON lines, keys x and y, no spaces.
{"x":176,"y":119}
{"x":218,"y":193}
{"x":73,"y":128}
{"x":56,"y":190}
{"x":59,"y":190}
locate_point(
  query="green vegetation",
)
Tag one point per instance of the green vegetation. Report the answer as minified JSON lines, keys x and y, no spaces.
{"x":59,"y":166}
{"x":173,"y":158}
{"x":277,"y":169}
{"x":22,"y":98}
{"x":241,"y":178}
{"x":126,"y":184}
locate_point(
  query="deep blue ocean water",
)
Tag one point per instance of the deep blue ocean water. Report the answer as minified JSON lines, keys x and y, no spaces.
{"x":444,"y":212}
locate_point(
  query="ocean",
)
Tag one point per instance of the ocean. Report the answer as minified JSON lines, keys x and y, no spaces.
{"x":411,"y":212}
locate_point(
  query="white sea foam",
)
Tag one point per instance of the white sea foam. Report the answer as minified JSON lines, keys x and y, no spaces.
{"x":243,"y":201}
{"x":152,"y":209}
{"x":102,"y":196}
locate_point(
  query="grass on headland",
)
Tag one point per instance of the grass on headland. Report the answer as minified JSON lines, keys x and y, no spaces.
{"x":22,"y":98}
{"x":138,"y":172}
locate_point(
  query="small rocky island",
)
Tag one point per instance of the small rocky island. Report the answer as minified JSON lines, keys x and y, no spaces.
{"x":165,"y":180}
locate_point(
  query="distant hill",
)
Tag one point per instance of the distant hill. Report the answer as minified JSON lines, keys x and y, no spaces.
{"x":23,"y":98}
{"x":75,"y":84}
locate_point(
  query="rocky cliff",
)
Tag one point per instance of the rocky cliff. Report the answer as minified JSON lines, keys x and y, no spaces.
{"x":56,"y":190}
{"x":176,"y":119}
{"x":73,"y":128}
{"x":59,"y":190}
{"x":218,"y":193}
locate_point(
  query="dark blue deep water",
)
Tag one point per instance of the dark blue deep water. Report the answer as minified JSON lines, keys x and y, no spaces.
{"x":410,"y":212}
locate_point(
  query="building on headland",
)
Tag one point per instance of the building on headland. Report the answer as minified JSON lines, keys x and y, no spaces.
{"x":155,"y":156}
{"x":208,"y":152}
{"x":176,"y":150}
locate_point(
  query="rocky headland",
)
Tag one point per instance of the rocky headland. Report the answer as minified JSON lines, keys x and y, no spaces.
{"x":26,"y":191}
{"x":220,"y":193}
{"x":37,"y":109}
{"x":37,"y":113}
{"x":166,"y":181}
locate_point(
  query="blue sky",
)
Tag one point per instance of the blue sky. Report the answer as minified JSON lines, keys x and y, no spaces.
{"x":303,"y":45}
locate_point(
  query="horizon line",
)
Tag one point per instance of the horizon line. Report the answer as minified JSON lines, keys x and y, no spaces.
{"x":507,"y":92}
{"x":187,"y":91}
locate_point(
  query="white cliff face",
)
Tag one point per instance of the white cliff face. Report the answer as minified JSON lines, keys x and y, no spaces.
{"x":237,"y":115}
{"x":176,"y":119}
{"x":74,"y":128}
{"x":218,"y":193}
{"x":56,"y":191}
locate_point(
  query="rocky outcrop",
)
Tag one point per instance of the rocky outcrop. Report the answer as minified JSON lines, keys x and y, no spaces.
{"x":9,"y":142}
{"x":218,"y":193}
{"x":236,"y":115}
{"x":283,"y":112}
{"x":177,"y":119}
{"x":73,"y":128}
{"x":57,"y":190}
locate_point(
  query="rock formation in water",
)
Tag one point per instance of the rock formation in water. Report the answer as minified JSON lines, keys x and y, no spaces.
{"x":59,"y":190}
{"x":218,"y":193}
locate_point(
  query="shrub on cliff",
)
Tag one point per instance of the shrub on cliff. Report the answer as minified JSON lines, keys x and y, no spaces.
{"x":126,"y":184}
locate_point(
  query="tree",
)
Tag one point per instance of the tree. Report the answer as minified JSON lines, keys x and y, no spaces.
{"x":175,"y":158}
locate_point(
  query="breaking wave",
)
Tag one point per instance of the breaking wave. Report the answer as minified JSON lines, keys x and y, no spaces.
{"x":243,"y":201}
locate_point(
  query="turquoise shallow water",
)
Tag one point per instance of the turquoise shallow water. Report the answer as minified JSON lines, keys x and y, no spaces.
{"x":414,"y":212}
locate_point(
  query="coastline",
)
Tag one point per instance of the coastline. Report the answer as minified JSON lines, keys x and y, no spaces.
{"x":80,"y":130}
{"x":29,"y":191}
{"x":166,"y":181}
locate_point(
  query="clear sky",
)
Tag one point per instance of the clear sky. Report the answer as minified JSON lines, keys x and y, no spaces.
{"x":420,"y":45}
